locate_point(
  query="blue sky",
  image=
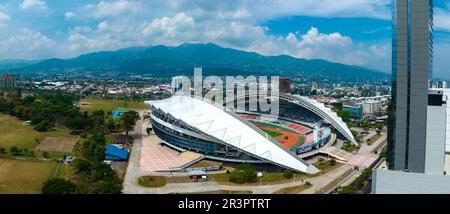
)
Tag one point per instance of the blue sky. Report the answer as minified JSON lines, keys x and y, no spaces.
{"x":356,"y":32}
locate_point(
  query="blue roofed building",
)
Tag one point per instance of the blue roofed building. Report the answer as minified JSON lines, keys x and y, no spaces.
{"x":116,"y":113}
{"x":115,"y":153}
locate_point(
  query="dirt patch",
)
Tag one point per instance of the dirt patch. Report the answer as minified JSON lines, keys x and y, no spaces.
{"x":57,"y":144}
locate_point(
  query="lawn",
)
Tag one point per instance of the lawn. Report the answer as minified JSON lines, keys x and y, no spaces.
{"x":108,"y":105}
{"x":152,"y":181}
{"x":293,"y":190}
{"x":24,"y":176}
{"x":374,"y":138}
{"x":14,"y":133}
{"x":272,"y":134}
{"x":270,"y":178}
{"x":270,"y":125}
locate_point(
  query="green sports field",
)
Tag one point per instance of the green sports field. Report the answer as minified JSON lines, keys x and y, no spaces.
{"x":108,"y":105}
{"x":271,"y":125}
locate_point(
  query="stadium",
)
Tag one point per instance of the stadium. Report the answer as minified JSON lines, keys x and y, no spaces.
{"x":241,"y":136}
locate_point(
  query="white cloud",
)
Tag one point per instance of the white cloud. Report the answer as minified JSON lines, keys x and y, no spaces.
{"x":4,"y":18}
{"x":102,"y":26}
{"x":170,"y":27}
{"x":27,"y":4}
{"x":442,"y":19}
{"x":112,"y":8}
{"x":69,"y":15}
{"x":322,"y":8}
{"x":27,"y":44}
{"x":124,"y":23}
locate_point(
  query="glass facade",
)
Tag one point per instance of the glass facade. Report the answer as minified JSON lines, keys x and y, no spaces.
{"x":412,"y":57}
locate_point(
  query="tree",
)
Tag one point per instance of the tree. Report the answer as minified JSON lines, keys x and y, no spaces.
{"x":45,"y":155}
{"x":344,"y":114}
{"x":58,"y":186}
{"x":110,"y":124}
{"x":378,"y":131}
{"x":15,"y":151}
{"x":2,"y":150}
{"x":332,"y":162}
{"x":354,"y":133}
{"x":41,"y":127}
{"x":337,"y":106}
{"x":128,"y":120}
{"x":81,"y":165}
{"x":108,"y":187}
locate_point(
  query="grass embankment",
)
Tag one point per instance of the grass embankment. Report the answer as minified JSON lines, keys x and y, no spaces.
{"x":152,"y":181}
{"x":270,"y":178}
{"x":293,"y":190}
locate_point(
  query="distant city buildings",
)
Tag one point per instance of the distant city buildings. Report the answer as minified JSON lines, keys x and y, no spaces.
{"x":357,"y":111}
{"x":441,"y":84}
{"x":7,"y":81}
{"x":285,"y":85}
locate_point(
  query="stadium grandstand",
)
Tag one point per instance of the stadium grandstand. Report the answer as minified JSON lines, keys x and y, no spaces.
{"x":247,"y":137}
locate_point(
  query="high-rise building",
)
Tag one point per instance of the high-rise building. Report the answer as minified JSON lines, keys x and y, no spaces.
{"x":285,"y":85}
{"x":412,"y":49}
{"x":419,"y":116}
{"x":7,"y":81}
{"x":441,"y":84}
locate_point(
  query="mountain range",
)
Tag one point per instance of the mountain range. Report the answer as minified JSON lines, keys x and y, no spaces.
{"x":165,"y":61}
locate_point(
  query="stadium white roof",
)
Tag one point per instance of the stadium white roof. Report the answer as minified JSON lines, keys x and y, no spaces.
{"x":224,"y":126}
{"x":327,"y":114}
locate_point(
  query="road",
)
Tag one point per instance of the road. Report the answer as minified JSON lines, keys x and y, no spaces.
{"x":130,"y":185}
{"x":133,"y":171}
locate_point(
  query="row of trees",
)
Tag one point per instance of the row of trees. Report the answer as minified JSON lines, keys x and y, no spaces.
{"x":91,"y":175}
{"x":46,"y":109}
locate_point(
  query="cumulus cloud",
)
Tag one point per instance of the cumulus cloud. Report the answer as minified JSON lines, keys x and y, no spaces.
{"x":102,"y":26}
{"x":112,"y":8}
{"x":27,"y":4}
{"x":323,"y":8}
{"x":69,"y":15}
{"x":4,"y":19}
{"x":442,"y":19}
{"x":114,"y":24}
{"x":170,"y":27}
{"x":27,"y":44}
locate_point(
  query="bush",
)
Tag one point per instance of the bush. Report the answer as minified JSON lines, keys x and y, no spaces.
{"x":244,"y":173}
{"x":320,"y":160}
{"x":15,"y":151}
{"x":41,"y":127}
{"x":58,"y":186}
{"x":45,"y":155}
{"x":332,"y":162}
{"x":288,"y":174}
{"x":83,"y":135}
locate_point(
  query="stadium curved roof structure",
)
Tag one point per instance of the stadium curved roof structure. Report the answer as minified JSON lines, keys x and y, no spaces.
{"x":319,"y":109}
{"x":228,"y":128}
